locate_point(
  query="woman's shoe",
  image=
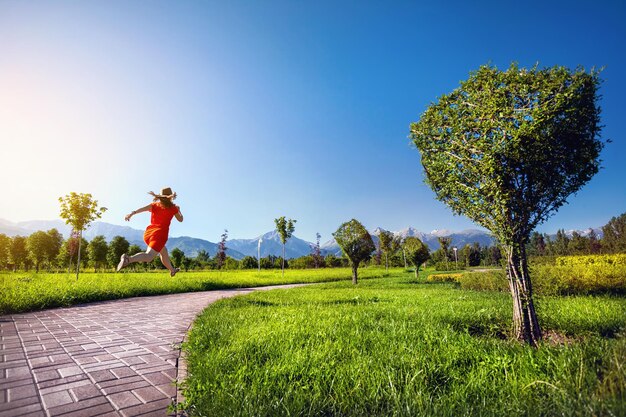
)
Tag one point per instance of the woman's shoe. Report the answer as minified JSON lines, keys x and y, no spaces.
{"x":124,"y":261}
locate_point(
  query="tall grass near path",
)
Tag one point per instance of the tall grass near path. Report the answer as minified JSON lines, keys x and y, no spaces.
{"x":400,"y":347}
{"x":20,"y":292}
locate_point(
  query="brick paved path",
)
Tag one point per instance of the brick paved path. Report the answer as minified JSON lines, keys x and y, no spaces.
{"x":112,"y":358}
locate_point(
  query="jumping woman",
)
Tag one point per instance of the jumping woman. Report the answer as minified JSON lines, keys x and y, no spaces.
{"x":156,"y":234}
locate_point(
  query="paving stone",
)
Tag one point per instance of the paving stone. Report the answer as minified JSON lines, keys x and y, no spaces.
{"x":143,"y":409}
{"x":56,"y":399}
{"x":86,"y":391}
{"x":125,"y":387}
{"x":15,"y":382}
{"x":70,"y":371}
{"x":22,"y":402}
{"x":149,"y":394}
{"x":168,"y":389}
{"x":101,"y":410}
{"x":157,"y":378}
{"x":14,"y":394}
{"x":46,"y":375}
{"x":123,"y":400}
{"x":16,"y":411}
{"x":100,"y":376}
{"x":123,"y":372}
{"x":84,"y":405}
{"x":63,"y":381}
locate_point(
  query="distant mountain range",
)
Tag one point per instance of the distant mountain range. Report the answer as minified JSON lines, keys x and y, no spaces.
{"x":238,"y":248}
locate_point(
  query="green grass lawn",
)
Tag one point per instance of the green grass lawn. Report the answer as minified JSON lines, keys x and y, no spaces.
{"x":397,"y":347}
{"x":20,"y":292}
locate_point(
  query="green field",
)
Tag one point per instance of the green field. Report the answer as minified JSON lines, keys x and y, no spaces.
{"x":22,"y":292}
{"x":401,"y":347}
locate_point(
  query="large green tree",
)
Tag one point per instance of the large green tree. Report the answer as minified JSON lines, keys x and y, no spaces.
{"x":356,"y":243}
{"x":5,"y":243}
{"x":18,"y":251}
{"x":177,"y":257}
{"x":55,"y":242}
{"x":37,"y":245}
{"x":79,"y":210}
{"x":416,"y":252}
{"x":506,"y":149}
{"x":98,"y":249}
{"x":117,"y":247}
{"x":285,"y":229}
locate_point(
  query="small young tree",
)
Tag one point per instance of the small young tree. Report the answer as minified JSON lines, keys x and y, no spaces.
{"x":506,"y":149}
{"x":285,"y":230}
{"x":220,"y":256}
{"x":356,"y":243}
{"x":385,"y":238}
{"x":416,"y":252}
{"x":79,"y":210}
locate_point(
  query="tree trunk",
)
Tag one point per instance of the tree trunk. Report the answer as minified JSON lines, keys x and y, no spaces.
{"x":417,"y":271}
{"x":404,"y":256}
{"x":386,"y":263}
{"x":354,"y":273}
{"x":80,"y":235}
{"x":525,"y":323}
{"x":283,"y":260}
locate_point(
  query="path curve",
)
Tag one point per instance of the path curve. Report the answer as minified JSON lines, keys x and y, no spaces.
{"x":110,"y":358}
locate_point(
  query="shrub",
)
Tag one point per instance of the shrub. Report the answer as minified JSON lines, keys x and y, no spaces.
{"x":485,"y":281}
{"x":594,"y":278}
{"x":444,"y":277}
{"x":589,"y":260}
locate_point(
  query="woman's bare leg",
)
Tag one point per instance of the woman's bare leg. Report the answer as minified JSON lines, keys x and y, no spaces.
{"x":146,"y":256}
{"x":165,"y":260}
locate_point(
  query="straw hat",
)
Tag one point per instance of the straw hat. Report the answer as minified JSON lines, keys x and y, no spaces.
{"x":165,"y":193}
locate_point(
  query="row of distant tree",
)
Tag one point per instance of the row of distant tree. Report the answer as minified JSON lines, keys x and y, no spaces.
{"x":50,"y":251}
{"x":613,"y":241}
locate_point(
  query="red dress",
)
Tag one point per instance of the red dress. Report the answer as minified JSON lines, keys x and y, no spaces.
{"x":157,"y":233}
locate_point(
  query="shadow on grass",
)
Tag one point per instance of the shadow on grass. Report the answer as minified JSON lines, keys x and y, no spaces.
{"x":480,"y":327}
{"x":355,"y":301}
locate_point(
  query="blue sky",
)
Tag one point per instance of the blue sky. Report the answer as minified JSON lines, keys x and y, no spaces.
{"x":254,"y":110}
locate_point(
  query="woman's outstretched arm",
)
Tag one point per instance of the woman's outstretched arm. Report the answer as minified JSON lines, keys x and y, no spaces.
{"x":141,"y":210}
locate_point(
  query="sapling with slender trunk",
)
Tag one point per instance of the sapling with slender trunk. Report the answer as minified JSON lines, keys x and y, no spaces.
{"x":79,"y":210}
{"x":285,"y":230}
